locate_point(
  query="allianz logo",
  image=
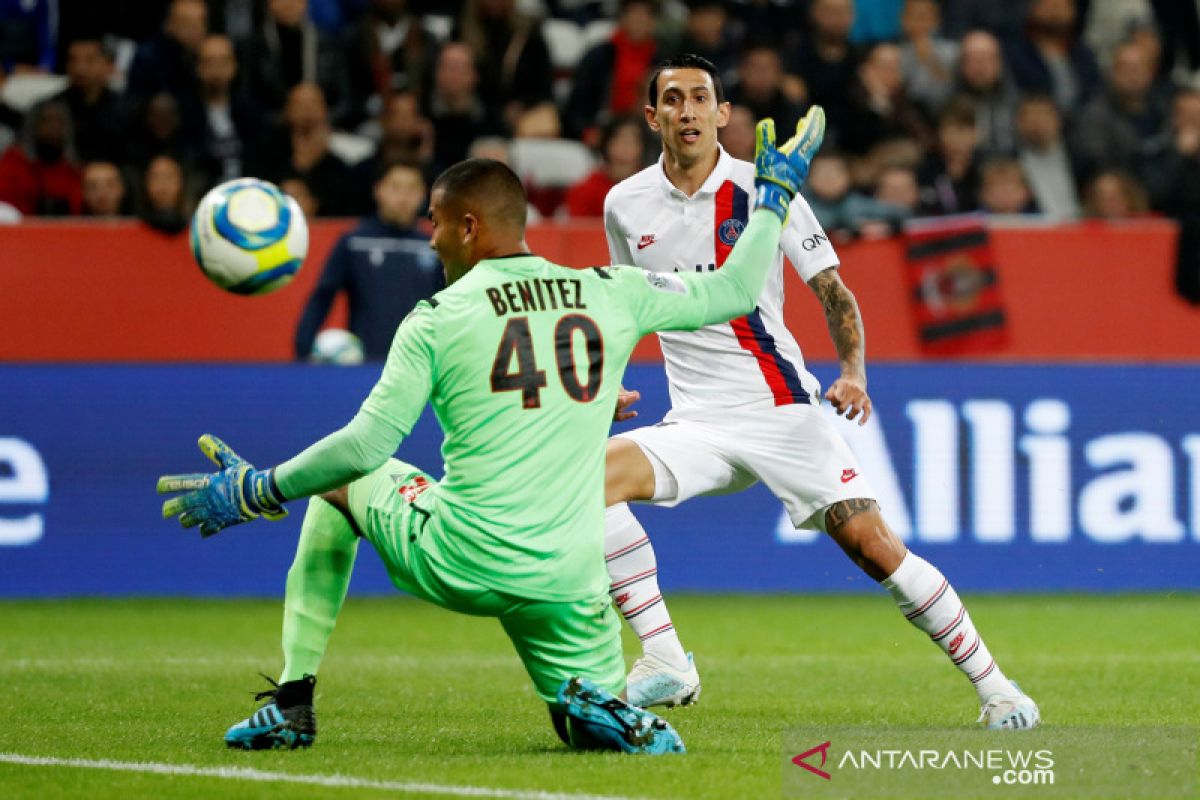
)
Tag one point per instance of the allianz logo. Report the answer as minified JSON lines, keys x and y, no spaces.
{"x":23,"y":481}
{"x":982,"y":472}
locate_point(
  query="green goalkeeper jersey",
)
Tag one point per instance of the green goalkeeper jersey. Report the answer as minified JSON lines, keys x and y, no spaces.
{"x":521,"y":360}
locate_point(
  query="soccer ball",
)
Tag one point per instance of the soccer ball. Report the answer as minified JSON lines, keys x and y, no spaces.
{"x":249,"y":237}
{"x":337,"y":346}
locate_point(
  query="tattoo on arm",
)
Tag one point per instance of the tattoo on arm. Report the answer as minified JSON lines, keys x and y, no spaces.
{"x":840,"y":513}
{"x":843,"y":319}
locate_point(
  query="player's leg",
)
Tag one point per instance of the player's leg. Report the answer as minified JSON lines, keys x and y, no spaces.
{"x":629,"y":554}
{"x":819,"y":480}
{"x":927,"y":600}
{"x":664,"y":464}
{"x":316,"y":589}
{"x":572,"y":652}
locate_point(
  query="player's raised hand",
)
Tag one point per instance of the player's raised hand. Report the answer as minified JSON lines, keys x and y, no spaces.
{"x":625,"y":399}
{"x":849,"y":398}
{"x":779,"y":171}
{"x":805,"y":142}
{"x":213,"y":501}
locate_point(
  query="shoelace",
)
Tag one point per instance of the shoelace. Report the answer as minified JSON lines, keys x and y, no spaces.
{"x":271,"y":693}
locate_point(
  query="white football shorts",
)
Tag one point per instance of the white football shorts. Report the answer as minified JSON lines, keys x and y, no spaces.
{"x":794,"y":450}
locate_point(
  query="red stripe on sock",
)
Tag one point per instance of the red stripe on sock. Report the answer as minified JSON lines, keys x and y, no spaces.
{"x":634,"y":579}
{"x":656,"y":631}
{"x":936,"y":596}
{"x":627,"y":548}
{"x":649,"y":602}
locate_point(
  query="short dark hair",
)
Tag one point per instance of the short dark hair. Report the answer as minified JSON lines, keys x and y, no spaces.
{"x":487,"y":186}
{"x":687,"y":61}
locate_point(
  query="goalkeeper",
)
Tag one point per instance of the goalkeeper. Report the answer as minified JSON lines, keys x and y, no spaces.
{"x":521,"y":360}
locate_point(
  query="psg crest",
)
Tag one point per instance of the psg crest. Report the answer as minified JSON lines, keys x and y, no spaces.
{"x":730,"y":230}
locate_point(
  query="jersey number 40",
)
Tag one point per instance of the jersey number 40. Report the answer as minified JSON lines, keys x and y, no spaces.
{"x":528,"y":379}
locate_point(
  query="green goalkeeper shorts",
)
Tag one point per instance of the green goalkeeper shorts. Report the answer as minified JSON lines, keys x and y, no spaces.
{"x":555,"y":640}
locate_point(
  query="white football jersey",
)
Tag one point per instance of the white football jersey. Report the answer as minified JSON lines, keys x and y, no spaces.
{"x":752,"y":361}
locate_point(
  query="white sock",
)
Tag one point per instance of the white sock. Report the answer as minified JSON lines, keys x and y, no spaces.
{"x":930,"y":603}
{"x":633,"y":572}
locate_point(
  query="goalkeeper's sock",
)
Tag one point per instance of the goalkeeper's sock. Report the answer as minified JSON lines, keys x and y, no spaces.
{"x":316,"y":587}
{"x":929,"y":602}
{"x":633,"y":574}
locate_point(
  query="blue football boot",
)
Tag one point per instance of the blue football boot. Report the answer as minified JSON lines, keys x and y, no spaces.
{"x":601,"y":719}
{"x":287,"y":721}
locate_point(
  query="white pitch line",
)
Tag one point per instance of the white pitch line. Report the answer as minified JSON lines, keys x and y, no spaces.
{"x":336,"y":781}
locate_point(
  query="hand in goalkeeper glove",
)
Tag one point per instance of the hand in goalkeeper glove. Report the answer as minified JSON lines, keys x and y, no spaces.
{"x":779,"y":172}
{"x":236,"y":493}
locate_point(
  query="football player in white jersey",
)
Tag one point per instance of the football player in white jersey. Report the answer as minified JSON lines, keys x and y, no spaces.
{"x":743,"y":407}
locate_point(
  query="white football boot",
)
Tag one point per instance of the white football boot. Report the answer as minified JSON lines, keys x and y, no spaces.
{"x":1010,"y":712}
{"x":653,"y":682}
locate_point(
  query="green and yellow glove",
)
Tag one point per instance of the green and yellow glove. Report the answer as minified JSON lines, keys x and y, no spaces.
{"x":780,"y":171}
{"x":236,"y":493}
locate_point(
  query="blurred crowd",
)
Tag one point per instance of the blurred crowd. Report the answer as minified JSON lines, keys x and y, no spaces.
{"x":1059,"y":108}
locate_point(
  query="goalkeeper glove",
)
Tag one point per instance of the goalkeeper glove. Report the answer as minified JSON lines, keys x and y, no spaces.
{"x":236,"y":493}
{"x":779,"y":172}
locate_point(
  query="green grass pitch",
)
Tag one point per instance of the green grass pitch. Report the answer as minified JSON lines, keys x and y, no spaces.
{"x":410,"y":694}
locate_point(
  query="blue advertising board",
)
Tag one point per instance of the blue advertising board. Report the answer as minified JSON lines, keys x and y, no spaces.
{"x":1009,"y":478}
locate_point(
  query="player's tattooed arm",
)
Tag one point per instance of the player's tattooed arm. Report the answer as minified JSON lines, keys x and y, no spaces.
{"x":848,"y":394}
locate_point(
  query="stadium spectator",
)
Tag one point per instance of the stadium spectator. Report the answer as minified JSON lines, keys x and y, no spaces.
{"x":166,"y":62}
{"x":897,"y":186}
{"x":164,"y":203}
{"x":1005,"y":19}
{"x":1172,"y":174}
{"x":1050,"y":169}
{"x":1109,"y":24}
{"x":306,"y":154}
{"x":1003,"y":190}
{"x":949,"y":177}
{"x":780,"y":21}
{"x":1179,"y":22}
{"x":514,"y":62}
{"x":1169,"y":156}
{"x":876,"y":21}
{"x":538,"y":122}
{"x":286,"y":50}
{"x":737,"y":137}
{"x":927,"y":59}
{"x":297,"y":188}
{"x":97,"y":112}
{"x":610,"y":80}
{"x":826,"y":60}
{"x":103,"y":190}
{"x":27,"y":35}
{"x":1115,"y":194}
{"x":982,"y":77}
{"x":1112,"y":126}
{"x":759,"y":86}
{"x":1051,"y":58}
{"x":10,"y":118}
{"x":230,"y":125}
{"x":454,"y":106}
{"x":623,"y":152}
{"x":160,"y":131}
{"x":843,"y":212}
{"x":879,"y":108}
{"x":405,"y":136}
{"x":384,"y":266}
{"x":38,"y":176}
{"x":707,"y":33}
{"x":388,"y":50}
